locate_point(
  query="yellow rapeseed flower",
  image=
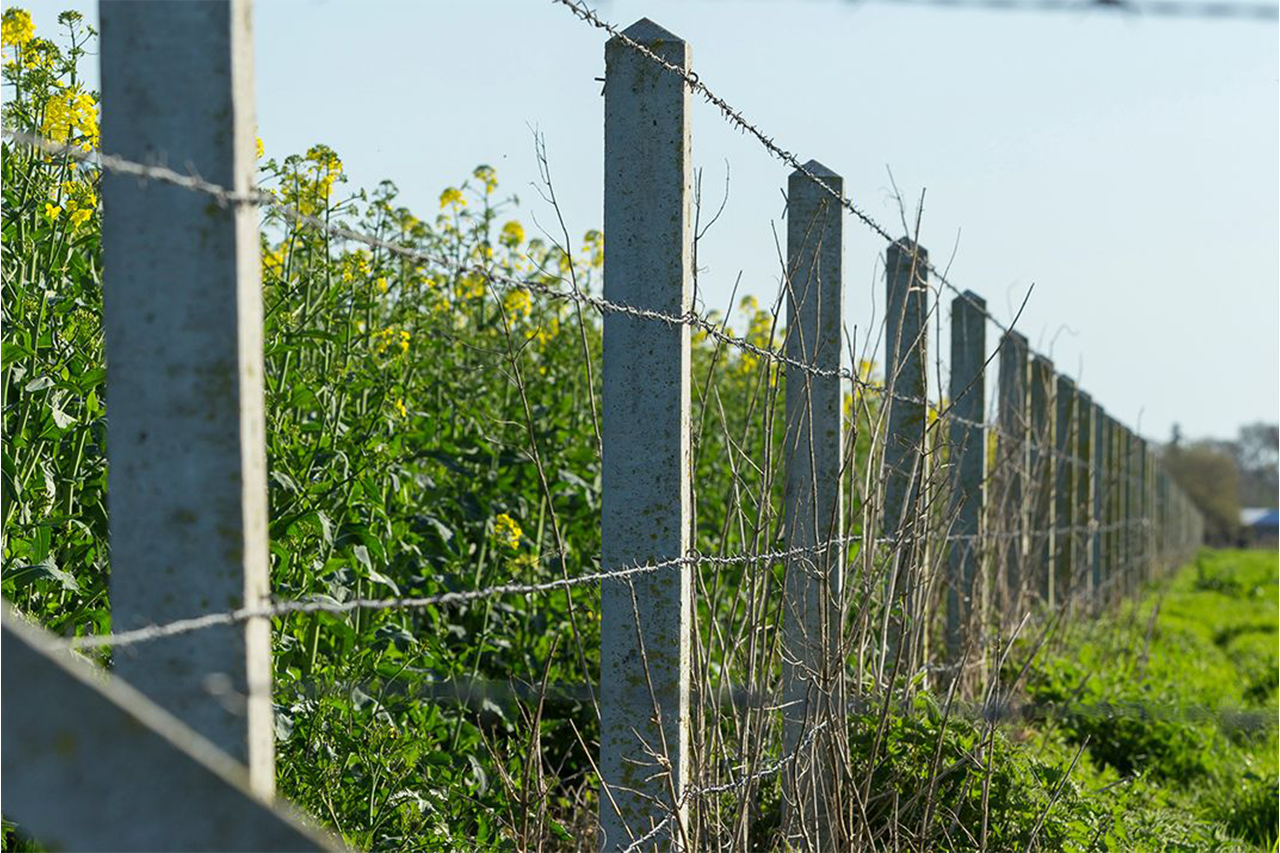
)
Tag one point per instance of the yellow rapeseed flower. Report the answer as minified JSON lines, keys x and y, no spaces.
{"x":512,"y":234}
{"x":16,"y":27}
{"x":69,"y":114}
{"x":518,"y":304}
{"x":452,"y":196}
{"x":593,"y":246}
{"x":52,"y":211}
{"x":507,"y":531}
{"x":404,"y":413}
{"x":383,"y":287}
{"x":488,"y":176}
{"x":258,"y":140}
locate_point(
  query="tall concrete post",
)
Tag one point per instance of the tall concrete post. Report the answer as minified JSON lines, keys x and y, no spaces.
{"x":1012,"y":461}
{"x":905,"y":459}
{"x":183,"y":329}
{"x":1111,"y":511}
{"x":1064,"y":490}
{"x":1128,"y":530}
{"x":814,"y":459}
{"x":969,"y":469}
{"x":1098,"y":503}
{"x":647,"y":619}
{"x":1042,"y":466}
{"x":1082,"y":574}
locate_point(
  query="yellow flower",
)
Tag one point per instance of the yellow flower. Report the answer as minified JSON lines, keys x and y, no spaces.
{"x":488,"y":176}
{"x":593,"y":246}
{"x":512,"y":234}
{"x":71,"y":113}
{"x":258,"y":139}
{"x":389,"y":337}
{"x":518,"y":304}
{"x":507,"y":531}
{"x":470,"y":286}
{"x":404,"y":413}
{"x":80,"y":217}
{"x":452,"y":196}
{"x":383,"y":287}
{"x":16,"y":27}
{"x":52,"y":211}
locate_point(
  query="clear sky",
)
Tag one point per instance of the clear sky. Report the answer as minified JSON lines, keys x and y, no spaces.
{"x":1125,"y":165}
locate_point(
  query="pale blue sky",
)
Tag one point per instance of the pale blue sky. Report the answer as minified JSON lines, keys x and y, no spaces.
{"x":1125,"y":165}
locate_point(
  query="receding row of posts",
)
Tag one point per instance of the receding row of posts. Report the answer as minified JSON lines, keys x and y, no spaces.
{"x":1071,"y":509}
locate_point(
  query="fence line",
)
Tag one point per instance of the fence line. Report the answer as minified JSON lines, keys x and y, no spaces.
{"x":1019,"y":547}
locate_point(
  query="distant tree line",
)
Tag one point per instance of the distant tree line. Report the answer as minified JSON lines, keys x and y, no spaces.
{"x":1222,"y":476}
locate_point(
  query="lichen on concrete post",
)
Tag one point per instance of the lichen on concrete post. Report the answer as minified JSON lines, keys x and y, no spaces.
{"x":905,"y":456}
{"x":813,"y":455}
{"x":183,"y":326}
{"x":968,"y":459}
{"x":646,"y":619}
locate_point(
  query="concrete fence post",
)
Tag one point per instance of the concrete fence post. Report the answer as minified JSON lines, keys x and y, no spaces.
{"x":1042,"y":465}
{"x":905,"y":459}
{"x":1065,"y":491}
{"x":1011,"y":460}
{"x":1129,"y":539}
{"x":968,"y":458}
{"x":1082,"y":574}
{"x":183,"y":328}
{"x":646,"y":619}
{"x":1097,"y":504}
{"x":813,"y":457}
{"x":1111,"y":510}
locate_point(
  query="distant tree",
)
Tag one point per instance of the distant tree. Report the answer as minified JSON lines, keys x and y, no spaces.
{"x":1210,"y":477}
{"x":1257,"y":454}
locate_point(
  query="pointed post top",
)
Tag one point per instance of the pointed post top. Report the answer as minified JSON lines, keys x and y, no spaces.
{"x":971,"y":299}
{"x":646,"y":31}
{"x":816,"y":169}
{"x":1017,"y":339}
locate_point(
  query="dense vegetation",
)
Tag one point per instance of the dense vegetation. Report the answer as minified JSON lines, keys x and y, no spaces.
{"x":427,"y":433}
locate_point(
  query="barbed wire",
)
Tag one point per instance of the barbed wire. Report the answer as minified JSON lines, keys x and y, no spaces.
{"x":692,"y":558}
{"x":735,"y":117}
{"x":265,"y":199}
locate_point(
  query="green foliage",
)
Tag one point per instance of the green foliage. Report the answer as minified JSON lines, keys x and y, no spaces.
{"x":1181,"y":723}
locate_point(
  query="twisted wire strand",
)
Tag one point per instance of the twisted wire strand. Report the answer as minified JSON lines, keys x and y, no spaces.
{"x":265,"y":199}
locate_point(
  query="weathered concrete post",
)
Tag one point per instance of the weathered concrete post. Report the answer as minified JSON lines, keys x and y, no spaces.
{"x":1082,"y":514}
{"x":646,"y":621}
{"x":1041,"y":467}
{"x":905,"y":459}
{"x":1128,"y":541}
{"x":968,"y":466}
{"x":1064,"y":490}
{"x":1012,"y":460}
{"x":183,"y":326}
{"x":1111,"y":510}
{"x":814,"y":459}
{"x":1098,"y":506}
